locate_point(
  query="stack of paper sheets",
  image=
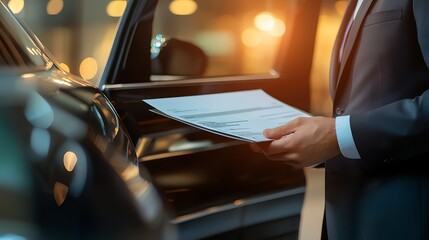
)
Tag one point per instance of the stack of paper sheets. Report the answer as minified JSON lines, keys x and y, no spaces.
{"x":240,"y":115}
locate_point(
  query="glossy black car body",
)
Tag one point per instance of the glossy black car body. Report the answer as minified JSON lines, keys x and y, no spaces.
{"x":68,"y":167}
{"x":125,"y":181}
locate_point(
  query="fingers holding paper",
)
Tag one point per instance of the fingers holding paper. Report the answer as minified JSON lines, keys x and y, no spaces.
{"x":303,"y":142}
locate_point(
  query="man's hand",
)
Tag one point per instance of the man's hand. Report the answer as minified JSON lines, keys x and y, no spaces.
{"x":303,"y":142}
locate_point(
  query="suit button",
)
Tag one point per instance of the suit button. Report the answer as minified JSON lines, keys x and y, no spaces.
{"x":339,"y":111}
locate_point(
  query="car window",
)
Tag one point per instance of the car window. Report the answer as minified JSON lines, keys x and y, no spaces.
{"x":79,"y":33}
{"x":211,"y":38}
{"x":16,"y":47}
{"x":215,"y":39}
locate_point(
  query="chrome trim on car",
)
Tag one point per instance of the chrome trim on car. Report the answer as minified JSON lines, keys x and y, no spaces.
{"x":178,"y":136}
{"x":190,"y":151}
{"x":178,"y":80}
{"x":236,"y":204}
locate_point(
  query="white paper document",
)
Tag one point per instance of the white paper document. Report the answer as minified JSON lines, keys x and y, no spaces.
{"x":240,"y":115}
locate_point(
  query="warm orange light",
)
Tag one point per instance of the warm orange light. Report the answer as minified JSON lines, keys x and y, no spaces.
{"x":340,"y":6}
{"x":54,"y":7}
{"x":130,"y":172}
{"x":264,"y":21}
{"x":65,"y":67}
{"x":251,"y":37}
{"x":116,"y":8}
{"x":70,"y":160}
{"x":88,"y":68}
{"x":279,"y":28}
{"x":28,"y":75}
{"x":16,"y":5}
{"x":183,"y":7}
{"x":30,"y":50}
{"x":60,"y":193}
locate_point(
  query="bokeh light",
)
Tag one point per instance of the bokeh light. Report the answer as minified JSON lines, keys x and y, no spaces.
{"x":264,"y":21}
{"x":16,"y":5}
{"x":60,"y":193}
{"x":88,"y":68}
{"x":65,"y":67}
{"x":54,"y":7}
{"x":116,"y":8}
{"x":279,"y":28}
{"x":183,"y":7}
{"x":251,"y":37}
{"x":70,"y":160}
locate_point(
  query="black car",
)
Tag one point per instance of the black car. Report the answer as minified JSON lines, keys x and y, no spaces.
{"x":82,"y":161}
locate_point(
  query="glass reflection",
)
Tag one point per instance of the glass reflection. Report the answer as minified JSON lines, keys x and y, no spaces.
{"x":73,"y":157}
{"x":62,"y":82}
{"x":60,"y":193}
{"x":157,"y":43}
{"x":40,"y":141}
{"x":39,"y":112}
{"x":75,"y":127}
{"x":238,"y":38}
{"x":218,"y":29}
{"x":75,"y":30}
{"x":70,"y":160}
{"x":130,"y":172}
{"x":143,"y":191}
{"x":28,"y":75}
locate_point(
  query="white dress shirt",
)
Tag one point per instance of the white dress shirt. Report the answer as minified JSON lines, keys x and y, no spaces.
{"x":342,"y":125}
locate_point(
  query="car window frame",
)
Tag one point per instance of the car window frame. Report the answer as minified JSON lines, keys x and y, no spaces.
{"x":26,"y":42}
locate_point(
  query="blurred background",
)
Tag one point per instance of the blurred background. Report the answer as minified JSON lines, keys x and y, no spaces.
{"x":237,"y":38}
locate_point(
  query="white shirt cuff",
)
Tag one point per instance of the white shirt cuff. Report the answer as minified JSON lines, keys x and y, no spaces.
{"x":345,"y":138}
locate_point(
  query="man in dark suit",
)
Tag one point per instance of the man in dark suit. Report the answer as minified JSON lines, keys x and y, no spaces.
{"x":375,"y":149}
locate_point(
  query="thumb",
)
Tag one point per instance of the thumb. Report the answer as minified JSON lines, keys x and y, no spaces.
{"x":280,"y":131}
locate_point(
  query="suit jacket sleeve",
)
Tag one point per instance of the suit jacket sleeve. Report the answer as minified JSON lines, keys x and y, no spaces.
{"x":400,"y":130}
{"x":397,"y":131}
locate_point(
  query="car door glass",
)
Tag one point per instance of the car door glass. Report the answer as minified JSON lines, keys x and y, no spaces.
{"x":79,"y":33}
{"x":16,"y":47}
{"x":210,"y":38}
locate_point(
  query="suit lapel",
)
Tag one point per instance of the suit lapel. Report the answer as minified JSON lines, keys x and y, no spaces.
{"x":353,"y":34}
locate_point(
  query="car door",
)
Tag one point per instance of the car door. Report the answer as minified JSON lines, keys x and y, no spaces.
{"x":215,"y":187}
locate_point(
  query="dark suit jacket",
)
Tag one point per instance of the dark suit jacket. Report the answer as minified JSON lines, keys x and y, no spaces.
{"x":382,"y":82}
